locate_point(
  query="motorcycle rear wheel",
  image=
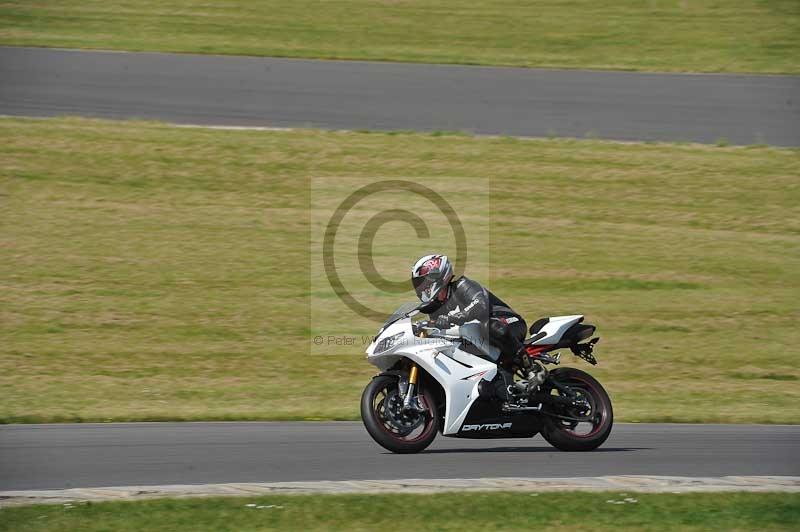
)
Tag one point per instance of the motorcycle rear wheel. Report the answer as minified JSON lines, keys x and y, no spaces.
{"x":381,"y":394}
{"x":564,"y":434}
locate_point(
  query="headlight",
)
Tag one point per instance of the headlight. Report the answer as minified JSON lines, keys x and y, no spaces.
{"x":388,"y":343}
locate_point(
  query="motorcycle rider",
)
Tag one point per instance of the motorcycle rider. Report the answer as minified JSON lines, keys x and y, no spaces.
{"x":451,"y":302}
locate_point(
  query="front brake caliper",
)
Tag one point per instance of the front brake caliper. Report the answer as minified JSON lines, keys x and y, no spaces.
{"x":402,"y":386}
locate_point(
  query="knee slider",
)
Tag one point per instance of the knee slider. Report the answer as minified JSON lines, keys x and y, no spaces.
{"x":497,"y":328}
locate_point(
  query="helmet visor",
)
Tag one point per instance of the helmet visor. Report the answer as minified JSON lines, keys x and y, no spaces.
{"x":425,"y":288}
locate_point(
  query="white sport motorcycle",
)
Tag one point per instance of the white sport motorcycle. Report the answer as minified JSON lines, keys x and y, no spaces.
{"x":449,"y":381}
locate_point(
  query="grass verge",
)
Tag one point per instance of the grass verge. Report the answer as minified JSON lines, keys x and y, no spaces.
{"x":449,"y":511}
{"x":149,"y":272}
{"x":655,"y":35}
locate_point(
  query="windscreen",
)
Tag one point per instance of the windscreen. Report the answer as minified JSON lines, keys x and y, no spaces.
{"x":404,"y":309}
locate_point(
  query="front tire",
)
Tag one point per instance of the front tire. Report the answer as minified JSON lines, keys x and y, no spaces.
{"x":567,"y":435}
{"x":379,"y":414}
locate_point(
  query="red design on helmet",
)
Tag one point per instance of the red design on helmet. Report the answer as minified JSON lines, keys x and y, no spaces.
{"x":431,"y":265}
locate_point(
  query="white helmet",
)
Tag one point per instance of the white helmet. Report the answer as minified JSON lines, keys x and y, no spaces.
{"x":430,"y":275}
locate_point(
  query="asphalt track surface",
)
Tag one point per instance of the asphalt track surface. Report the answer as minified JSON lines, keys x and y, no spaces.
{"x":269,"y":92}
{"x":97,"y":455}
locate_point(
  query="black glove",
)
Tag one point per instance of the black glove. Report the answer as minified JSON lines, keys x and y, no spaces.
{"x":443,"y":322}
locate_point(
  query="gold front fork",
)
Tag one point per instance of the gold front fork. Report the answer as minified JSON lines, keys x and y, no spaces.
{"x":413,"y":374}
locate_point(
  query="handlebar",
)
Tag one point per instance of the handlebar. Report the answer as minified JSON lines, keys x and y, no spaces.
{"x":434,"y":332}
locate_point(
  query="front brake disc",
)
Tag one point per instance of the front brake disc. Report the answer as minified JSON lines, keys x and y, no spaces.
{"x":404,"y":422}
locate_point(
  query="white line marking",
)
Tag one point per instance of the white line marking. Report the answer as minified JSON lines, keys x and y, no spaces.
{"x":244,"y":128}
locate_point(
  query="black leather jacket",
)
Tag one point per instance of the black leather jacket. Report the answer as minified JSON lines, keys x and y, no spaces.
{"x":467,"y":301}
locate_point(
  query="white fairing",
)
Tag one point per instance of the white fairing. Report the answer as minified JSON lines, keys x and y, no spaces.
{"x":456,"y":370}
{"x":555,"y":329}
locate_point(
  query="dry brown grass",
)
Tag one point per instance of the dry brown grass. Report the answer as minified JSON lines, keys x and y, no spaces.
{"x":153,"y":272}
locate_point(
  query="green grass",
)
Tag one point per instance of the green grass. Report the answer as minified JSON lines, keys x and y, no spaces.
{"x":656,"y":35}
{"x":149,"y":272}
{"x":448,"y":511}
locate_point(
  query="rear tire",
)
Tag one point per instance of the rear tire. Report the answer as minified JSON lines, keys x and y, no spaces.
{"x":381,"y":428}
{"x":560,"y":434}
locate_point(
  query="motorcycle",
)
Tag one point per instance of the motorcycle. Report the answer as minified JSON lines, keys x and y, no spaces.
{"x":454,"y":382}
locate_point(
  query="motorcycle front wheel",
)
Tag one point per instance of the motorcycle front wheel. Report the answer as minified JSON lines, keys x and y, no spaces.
{"x":560,"y":428}
{"x":391,"y":427}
